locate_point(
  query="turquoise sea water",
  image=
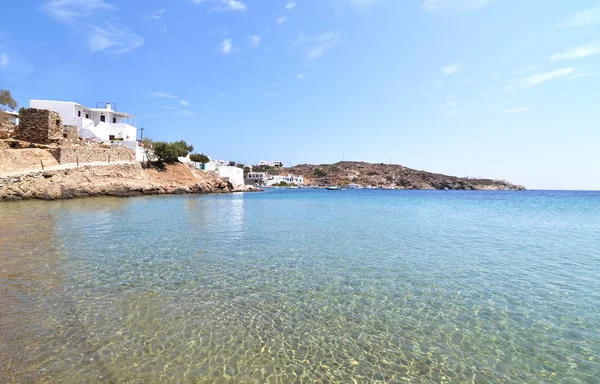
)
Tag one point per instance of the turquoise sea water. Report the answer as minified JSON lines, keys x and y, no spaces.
{"x":303,"y":286}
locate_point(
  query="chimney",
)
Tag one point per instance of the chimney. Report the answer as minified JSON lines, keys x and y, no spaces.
{"x":108,"y":106}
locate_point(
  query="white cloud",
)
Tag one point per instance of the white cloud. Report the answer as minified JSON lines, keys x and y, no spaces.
{"x":184,"y":103}
{"x":112,"y":39}
{"x":187,"y":113}
{"x":3,"y":60}
{"x":517,"y":110}
{"x":582,"y":19}
{"x":454,"y":5}
{"x":451,"y":69}
{"x":546,"y":76}
{"x":162,"y":94}
{"x":290,"y":5}
{"x":579,"y":52}
{"x":158,"y":14}
{"x":524,"y":70}
{"x":362,"y":3}
{"x":254,"y":40}
{"x":281,"y":20}
{"x":13,"y":66}
{"x":318,"y":45}
{"x":68,"y":10}
{"x":227,"y":46}
{"x":224,"y":5}
{"x":579,"y":75}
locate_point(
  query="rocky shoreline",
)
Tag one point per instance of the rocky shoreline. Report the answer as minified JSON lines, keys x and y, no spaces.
{"x":120,"y":180}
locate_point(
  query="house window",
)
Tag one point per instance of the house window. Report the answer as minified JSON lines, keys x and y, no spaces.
{"x":78,"y":113}
{"x":103,"y":118}
{"x":87,"y":116}
{"x":114,"y":120}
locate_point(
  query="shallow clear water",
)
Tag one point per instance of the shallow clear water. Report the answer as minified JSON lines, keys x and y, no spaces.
{"x":303,"y":286}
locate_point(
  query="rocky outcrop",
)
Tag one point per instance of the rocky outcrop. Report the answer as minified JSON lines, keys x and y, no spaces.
{"x":347,"y":172}
{"x":115,"y":180}
{"x":39,"y":126}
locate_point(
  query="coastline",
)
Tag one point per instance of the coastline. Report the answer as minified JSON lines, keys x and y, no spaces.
{"x":120,"y":180}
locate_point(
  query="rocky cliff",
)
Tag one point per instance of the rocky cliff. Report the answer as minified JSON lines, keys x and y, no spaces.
{"x":115,"y":180}
{"x":347,"y":172}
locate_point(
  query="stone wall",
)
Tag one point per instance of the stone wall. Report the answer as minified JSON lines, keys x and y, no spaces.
{"x":71,"y":133}
{"x":39,"y":126}
{"x":92,"y":154}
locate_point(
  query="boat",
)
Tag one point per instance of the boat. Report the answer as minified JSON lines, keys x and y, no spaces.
{"x":388,"y":188}
{"x":354,"y":186}
{"x":335,"y":188}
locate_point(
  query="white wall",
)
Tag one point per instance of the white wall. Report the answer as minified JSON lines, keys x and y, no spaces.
{"x":234,"y":174}
{"x":66,"y":110}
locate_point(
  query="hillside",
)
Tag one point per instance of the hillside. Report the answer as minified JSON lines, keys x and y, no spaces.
{"x":347,"y":172}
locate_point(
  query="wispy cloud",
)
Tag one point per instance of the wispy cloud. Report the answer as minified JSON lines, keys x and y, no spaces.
{"x":300,"y":76}
{"x":224,"y":5}
{"x":451,"y":69}
{"x":362,"y":3}
{"x":254,"y":40}
{"x":317,"y":46}
{"x":164,"y":95}
{"x":524,"y":70}
{"x":290,"y":5}
{"x":68,"y":10}
{"x":157,"y":15}
{"x":581,"y":19}
{"x":112,"y":39}
{"x":438,"y":84}
{"x":186,"y":113}
{"x":517,"y":110}
{"x":13,"y":66}
{"x":227,"y":46}
{"x":184,"y":103}
{"x":577,"y":53}
{"x":3,"y":60}
{"x":282,"y":19}
{"x":454,"y":5}
{"x":541,"y":78}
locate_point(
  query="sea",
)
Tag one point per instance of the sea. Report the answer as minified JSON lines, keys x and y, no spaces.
{"x":303,"y":286}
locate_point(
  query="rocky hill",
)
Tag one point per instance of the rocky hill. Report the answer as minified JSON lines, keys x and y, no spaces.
{"x":348,"y":172}
{"x":113,"y":180}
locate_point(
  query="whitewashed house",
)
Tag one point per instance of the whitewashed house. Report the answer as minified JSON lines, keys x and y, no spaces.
{"x":256,"y":178}
{"x":234,"y":175}
{"x":11,"y":116}
{"x":103,"y":123}
{"x":290,"y":179}
{"x":263,"y":163}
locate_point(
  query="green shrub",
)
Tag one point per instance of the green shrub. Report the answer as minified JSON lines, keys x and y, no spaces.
{"x":169,"y":152}
{"x":320,"y":172}
{"x":199,"y":158}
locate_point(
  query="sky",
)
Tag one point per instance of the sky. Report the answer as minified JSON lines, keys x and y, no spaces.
{"x":504,"y":89}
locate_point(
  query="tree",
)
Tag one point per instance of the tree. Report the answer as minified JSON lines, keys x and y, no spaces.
{"x":247,"y":169}
{"x":165,"y":152}
{"x":320,"y":172}
{"x":239,"y":165}
{"x":232,"y":163}
{"x":199,"y":158}
{"x":7,"y":100}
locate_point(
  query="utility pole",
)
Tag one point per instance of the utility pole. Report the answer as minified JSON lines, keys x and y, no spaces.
{"x":142,"y":134}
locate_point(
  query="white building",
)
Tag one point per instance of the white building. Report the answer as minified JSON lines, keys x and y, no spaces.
{"x":234,"y":175}
{"x":263,"y":163}
{"x":103,"y":123}
{"x":256,"y":178}
{"x":290,"y":179}
{"x":261,"y":178}
{"x":12,"y":117}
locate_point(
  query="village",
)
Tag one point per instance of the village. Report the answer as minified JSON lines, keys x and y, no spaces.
{"x":79,"y":135}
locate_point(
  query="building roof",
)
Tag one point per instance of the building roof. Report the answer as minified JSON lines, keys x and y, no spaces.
{"x":120,"y":114}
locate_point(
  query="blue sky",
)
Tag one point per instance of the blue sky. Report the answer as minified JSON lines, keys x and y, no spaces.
{"x":506,"y":89}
